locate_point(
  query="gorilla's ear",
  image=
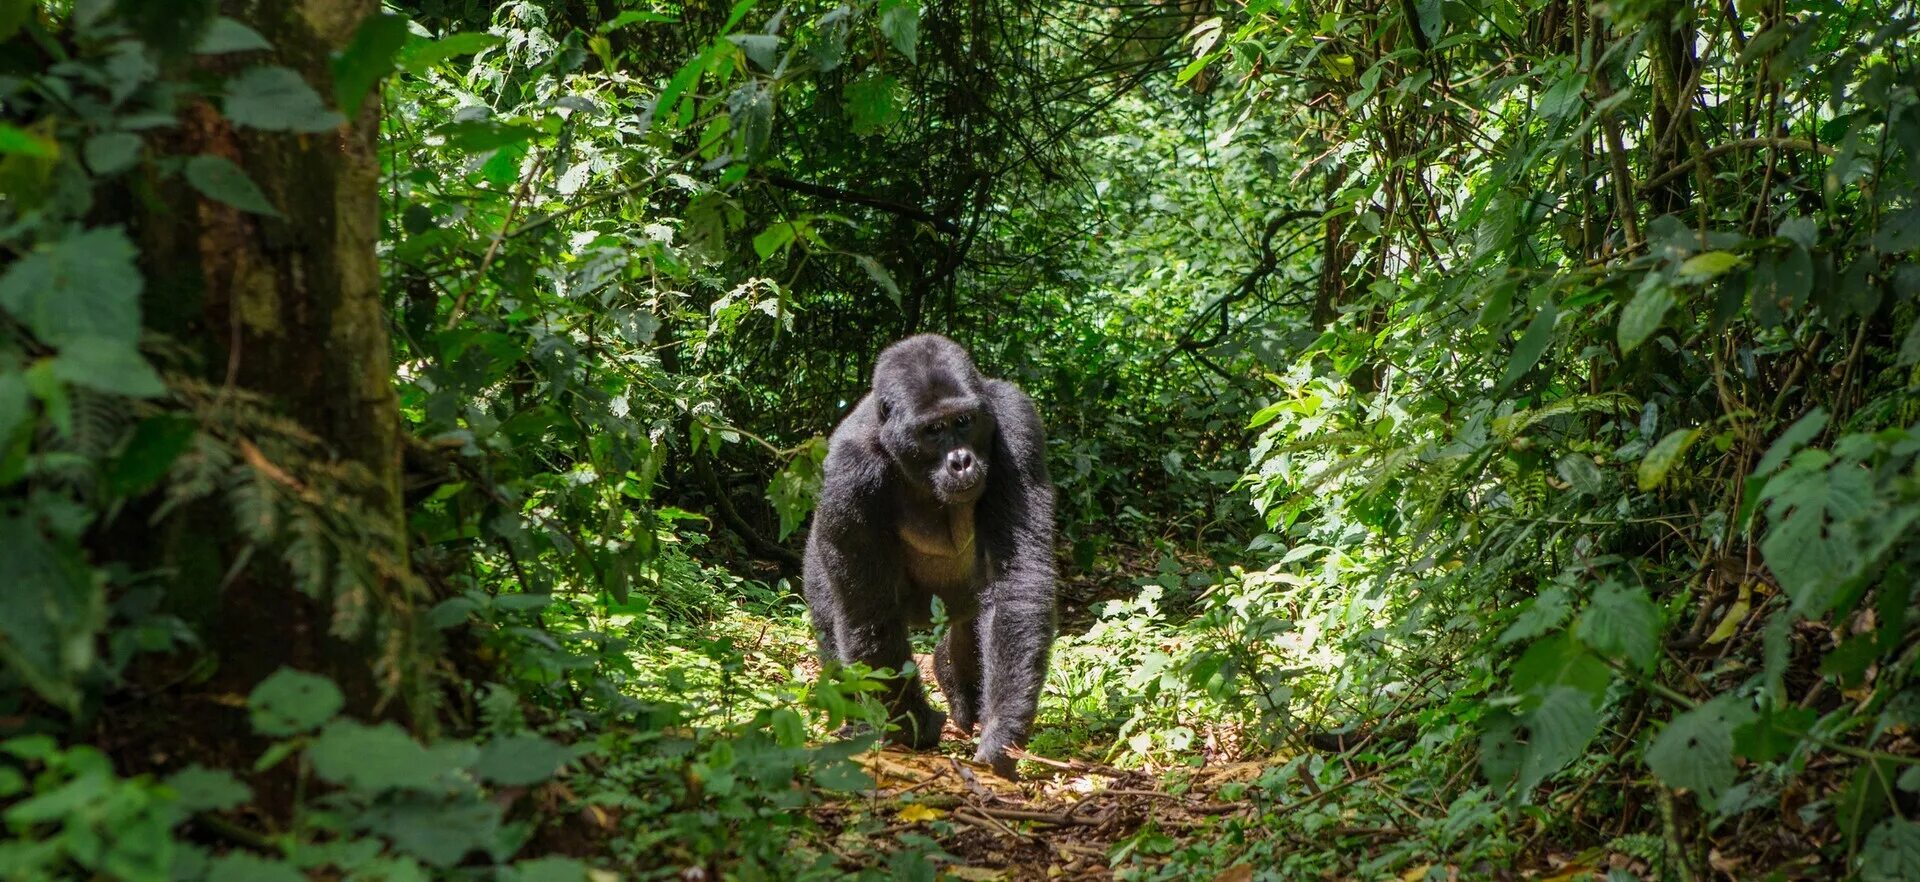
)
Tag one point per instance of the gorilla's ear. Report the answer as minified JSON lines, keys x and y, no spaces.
{"x":886,"y":410}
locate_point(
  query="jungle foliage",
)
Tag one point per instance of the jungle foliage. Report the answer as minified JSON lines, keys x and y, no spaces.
{"x":1486,"y":432}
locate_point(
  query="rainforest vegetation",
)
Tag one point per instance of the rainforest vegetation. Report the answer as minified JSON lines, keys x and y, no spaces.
{"x":1486,"y":434}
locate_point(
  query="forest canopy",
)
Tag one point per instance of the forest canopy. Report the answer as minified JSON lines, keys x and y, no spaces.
{"x":1485,"y":435}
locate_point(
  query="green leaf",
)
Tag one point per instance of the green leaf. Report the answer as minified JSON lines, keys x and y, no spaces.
{"x":49,"y":611}
{"x":1813,"y":545}
{"x":384,"y":757}
{"x":367,"y":59}
{"x":421,"y":56}
{"x":111,"y":366}
{"x":111,"y":152}
{"x":1695,"y":751}
{"x":217,"y":178}
{"x":1707,"y":265}
{"x":1899,"y":233}
{"x":1563,"y":97}
{"x":775,"y":239}
{"x":1891,"y":852}
{"x":1660,"y":459}
{"x":14,"y":139}
{"x":13,"y":405}
{"x":156,"y":443}
{"x":1527,"y":352}
{"x":1803,"y":430}
{"x":440,"y":832}
{"x":290,"y":702}
{"x":84,"y":286}
{"x":880,"y":276}
{"x":479,"y":136}
{"x":842,"y":776}
{"x":1558,"y":661}
{"x":1558,"y":731}
{"x":545,"y":869}
{"x":1538,"y":616}
{"x":276,"y":99}
{"x":202,"y":789}
{"x":225,"y":35}
{"x":1623,"y":623}
{"x":900,"y":22}
{"x":1643,"y":313}
{"x":240,"y":866}
{"x":518,"y":760}
{"x":871,"y":101}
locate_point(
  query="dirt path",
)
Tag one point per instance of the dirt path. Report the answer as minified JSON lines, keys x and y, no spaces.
{"x":1060,"y":823}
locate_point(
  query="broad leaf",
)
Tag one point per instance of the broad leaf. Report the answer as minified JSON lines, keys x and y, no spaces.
{"x":521,"y":759}
{"x":367,"y":59}
{"x":86,"y":286}
{"x":202,"y":789}
{"x":1658,"y":461}
{"x":1643,"y":313}
{"x":1695,"y":751}
{"x":111,"y":152}
{"x":1527,"y":352}
{"x":1813,"y":546}
{"x":216,"y":177}
{"x":1891,"y":852}
{"x":290,"y":702}
{"x":383,"y":757}
{"x":1622,"y":622}
{"x":105,"y":365}
{"x":900,"y":22}
{"x":225,"y":35}
{"x":276,"y":99}
{"x":1558,"y":731}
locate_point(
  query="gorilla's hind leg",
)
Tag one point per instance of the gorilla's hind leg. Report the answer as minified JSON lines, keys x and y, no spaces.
{"x":956,"y":662}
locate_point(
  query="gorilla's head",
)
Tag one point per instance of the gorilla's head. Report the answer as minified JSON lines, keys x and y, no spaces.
{"x":935,"y":422}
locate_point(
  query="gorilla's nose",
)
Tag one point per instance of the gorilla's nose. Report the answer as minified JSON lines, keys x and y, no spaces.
{"x":960,"y":462}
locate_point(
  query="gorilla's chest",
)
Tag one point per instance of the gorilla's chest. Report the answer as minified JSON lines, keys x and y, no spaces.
{"x":940,"y":551}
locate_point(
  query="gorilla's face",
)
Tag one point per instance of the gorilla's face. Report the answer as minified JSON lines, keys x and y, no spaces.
{"x":935,"y":426}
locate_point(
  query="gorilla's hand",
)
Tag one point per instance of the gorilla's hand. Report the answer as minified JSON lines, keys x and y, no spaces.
{"x":918,"y":729}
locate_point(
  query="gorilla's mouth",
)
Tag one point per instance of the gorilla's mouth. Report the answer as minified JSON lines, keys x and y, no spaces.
{"x":961,"y":488}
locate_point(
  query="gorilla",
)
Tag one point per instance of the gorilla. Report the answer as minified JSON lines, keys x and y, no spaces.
{"x":936,"y":486}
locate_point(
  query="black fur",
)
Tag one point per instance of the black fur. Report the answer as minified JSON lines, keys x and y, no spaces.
{"x":936,"y":484}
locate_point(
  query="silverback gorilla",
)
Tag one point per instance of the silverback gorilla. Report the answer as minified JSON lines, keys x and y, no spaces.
{"x":936,"y":486}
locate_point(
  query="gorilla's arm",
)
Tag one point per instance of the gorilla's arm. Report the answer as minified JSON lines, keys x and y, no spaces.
{"x":1018,"y":613}
{"x":854,"y":581}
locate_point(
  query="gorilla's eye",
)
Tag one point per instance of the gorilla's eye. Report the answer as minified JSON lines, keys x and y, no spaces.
{"x":962,"y":421}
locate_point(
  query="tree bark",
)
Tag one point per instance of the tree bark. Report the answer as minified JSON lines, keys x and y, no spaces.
{"x":286,"y":316}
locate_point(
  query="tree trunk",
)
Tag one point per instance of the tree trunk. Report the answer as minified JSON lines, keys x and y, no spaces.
{"x":287,"y":318}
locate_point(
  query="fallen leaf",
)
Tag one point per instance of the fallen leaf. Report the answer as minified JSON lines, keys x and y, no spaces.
{"x":1416,"y":874}
{"x":973,"y":874}
{"x":1235,"y":873}
{"x":917,"y":813}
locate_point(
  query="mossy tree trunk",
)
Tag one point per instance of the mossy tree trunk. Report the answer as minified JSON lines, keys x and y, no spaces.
{"x":285,"y":315}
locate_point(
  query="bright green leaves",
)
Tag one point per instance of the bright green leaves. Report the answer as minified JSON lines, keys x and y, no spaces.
{"x":1695,"y":751}
{"x":1622,"y":622}
{"x":1643,"y":314}
{"x":291,"y":702}
{"x":872,"y":102}
{"x":1562,"y":99}
{"x":368,"y":58}
{"x":276,"y":99}
{"x":217,"y":178}
{"x":1661,"y":458}
{"x":1561,"y":680}
{"x":14,"y":139}
{"x":420,"y":56}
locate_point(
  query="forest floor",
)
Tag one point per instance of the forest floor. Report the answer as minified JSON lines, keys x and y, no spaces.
{"x":1062,"y":823}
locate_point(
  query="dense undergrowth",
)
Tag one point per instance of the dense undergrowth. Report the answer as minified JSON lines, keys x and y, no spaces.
{"x":1485,"y":432}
